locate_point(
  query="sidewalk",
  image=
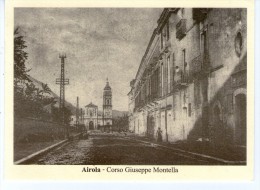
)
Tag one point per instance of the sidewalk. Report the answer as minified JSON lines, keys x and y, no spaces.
{"x":24,"y":151}
{"x":227,"y":154}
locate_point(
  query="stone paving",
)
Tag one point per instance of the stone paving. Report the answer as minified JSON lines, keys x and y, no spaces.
{"x":115,"y":149}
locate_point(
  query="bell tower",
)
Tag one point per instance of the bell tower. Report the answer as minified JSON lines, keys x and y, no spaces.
{"x":107,"y":105}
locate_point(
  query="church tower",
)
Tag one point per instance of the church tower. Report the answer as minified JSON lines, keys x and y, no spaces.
{"x":107,"y":106}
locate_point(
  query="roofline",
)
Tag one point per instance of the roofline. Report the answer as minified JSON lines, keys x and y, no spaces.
{"x":164,"y":15}
{"x":130,"y":91}
{"x":91,"y":105}
{"x":146,"y":51}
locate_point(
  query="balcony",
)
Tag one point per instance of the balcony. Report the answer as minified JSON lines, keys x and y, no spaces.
{"x":132,"y":83}
{"x":181,"y":29}
{"x":183,"y":80}
{"x":147,"y":103}
{"x":199,"y":14}
{"x":136,"y":109}
{"x":200,"y":64}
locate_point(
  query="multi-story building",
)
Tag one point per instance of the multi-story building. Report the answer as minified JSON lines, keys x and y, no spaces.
{"x":191,"y":82}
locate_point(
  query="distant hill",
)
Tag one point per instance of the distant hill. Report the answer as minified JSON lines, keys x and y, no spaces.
{"x":117,"y":113}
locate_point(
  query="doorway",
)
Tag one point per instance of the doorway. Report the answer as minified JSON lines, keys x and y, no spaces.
{"x":91,"y":125}
{"x":240,"y":114}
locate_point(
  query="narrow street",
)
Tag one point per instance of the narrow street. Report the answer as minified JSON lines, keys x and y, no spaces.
{"x":111,"y":149}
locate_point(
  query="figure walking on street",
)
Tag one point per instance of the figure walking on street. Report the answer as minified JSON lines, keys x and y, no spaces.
{"x":159,"y":135}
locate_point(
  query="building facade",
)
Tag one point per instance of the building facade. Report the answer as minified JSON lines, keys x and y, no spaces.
{"x":191,"y":82}
{"x":100,"y":119}
{"x":92,"y":118}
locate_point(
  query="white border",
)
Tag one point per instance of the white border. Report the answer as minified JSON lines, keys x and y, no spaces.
{"x":28,"y":185}
{"x":2,"y":23}
{"x":256,"y":182}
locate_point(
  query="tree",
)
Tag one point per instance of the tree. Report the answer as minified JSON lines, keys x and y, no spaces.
{"x":57,"y":115}
{"x":121,"y":123}
{"x":30,"y":90}
{"x":48,"y":101}
{"x":45,"y":89}
{"x":67,"y":115}
{"x":20,"y":56}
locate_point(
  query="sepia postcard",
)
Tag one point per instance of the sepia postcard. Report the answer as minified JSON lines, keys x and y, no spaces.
{"x":129,"y":90}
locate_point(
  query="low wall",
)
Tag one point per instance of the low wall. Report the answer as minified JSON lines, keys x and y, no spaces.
{"x":34,"y":130}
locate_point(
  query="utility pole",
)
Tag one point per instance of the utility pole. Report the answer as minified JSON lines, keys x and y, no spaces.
{"x":81,"y":117}
{"x":77,"y":113}
{"x":62,"y":82}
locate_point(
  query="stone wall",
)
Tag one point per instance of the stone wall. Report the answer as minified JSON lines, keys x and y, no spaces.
{"x":34,"y":130}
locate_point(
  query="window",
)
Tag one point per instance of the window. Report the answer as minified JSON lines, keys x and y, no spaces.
{"x":184,"y":60}
{"x":168,"y":74}
{"x":182,"y":12}
{"x":155,"y":84}
{"x":162,"y":81}
{"x":162,"y":40}
{"x":158,"y":82}
{"x":167,"y":31}
{"x":189,"y":110}
{"x":197,"y":93}
{"x":203,"y":41}
{"x":173,"y":67}
{"x":212,"y":30}
{"x":238,"y":44}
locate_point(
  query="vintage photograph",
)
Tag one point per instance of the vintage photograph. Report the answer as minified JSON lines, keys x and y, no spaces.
{"x":130,"y":86}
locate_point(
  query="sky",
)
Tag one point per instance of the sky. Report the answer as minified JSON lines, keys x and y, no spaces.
{"x":99,"y":43}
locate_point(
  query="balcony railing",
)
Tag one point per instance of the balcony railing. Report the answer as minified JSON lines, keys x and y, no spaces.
{"x":200,"y":64}
{"x":181,"y":29}
{"x":183,"y":79}
{"x":148,"y":100}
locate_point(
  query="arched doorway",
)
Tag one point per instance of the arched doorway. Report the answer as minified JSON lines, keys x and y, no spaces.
{"x":91,"y":125}
{"x":240,"y":115}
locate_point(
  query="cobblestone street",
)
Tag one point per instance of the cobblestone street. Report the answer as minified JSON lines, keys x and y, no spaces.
{"x":106,"y":149}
